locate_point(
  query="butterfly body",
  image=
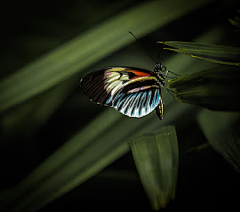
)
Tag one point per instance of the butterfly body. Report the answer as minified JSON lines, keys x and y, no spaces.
{"x":134,"y":92}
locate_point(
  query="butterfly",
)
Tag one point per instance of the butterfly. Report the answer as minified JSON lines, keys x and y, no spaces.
{"x":134,"y":92}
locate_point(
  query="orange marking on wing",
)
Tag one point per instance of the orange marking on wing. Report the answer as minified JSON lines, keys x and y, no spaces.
{"x":140,"y":73}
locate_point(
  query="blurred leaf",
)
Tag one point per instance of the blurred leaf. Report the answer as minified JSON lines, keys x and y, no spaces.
{"x":222,"y":132}
{"x":93,"y":148}
{"x":86,"y":49}
{"x":214,"y":53}
{"x":76,"y":161}
{"x":216,"y":89}
{"x":37,"y":111}
{"x":156,"y":159}
{"x":236,"y":21}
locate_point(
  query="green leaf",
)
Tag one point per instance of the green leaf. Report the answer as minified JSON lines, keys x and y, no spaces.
{"x":214,"y":53}
{"x":77,"y":160}
{"x":156,"y":159}
{"x":236,"y":21}
{"x":216,"y":89}
{"x":222,"y":131}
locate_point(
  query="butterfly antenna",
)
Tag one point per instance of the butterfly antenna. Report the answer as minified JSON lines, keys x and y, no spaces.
{"x":174,"y":73}
{"x":142,"y":46}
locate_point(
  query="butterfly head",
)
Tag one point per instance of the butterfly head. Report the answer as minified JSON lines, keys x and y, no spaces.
{"x":159,"y":69}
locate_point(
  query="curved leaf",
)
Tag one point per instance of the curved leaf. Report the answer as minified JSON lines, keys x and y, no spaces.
{"x":216,"y":89}
{"x":223,"y":136}
{"x":214,"y":53}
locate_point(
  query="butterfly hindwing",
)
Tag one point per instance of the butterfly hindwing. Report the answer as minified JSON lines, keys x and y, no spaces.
{"x":132,"y":91}
{"x":137,"y":99}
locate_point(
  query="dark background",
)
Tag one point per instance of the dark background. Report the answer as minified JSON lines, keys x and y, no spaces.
{"x":31,"y":29}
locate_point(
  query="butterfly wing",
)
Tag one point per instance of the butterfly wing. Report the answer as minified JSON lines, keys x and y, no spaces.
{"x":132,"y":91}
{"x":94,"y":85}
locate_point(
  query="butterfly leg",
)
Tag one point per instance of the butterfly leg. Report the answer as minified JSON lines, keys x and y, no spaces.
{"x":166,"y":74}
{"x":169,"y":91}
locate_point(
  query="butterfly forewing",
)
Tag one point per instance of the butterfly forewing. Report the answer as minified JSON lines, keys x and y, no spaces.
{"x":93,"y":86}
{"x":132,"y":91}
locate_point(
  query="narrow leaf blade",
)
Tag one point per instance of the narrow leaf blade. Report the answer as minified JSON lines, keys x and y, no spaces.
{"x":214,"y":53}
